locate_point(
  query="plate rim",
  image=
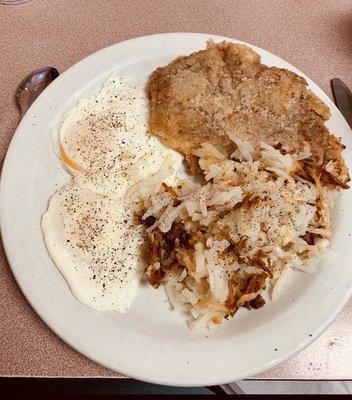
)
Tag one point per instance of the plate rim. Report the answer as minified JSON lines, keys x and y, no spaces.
{"x":276,"y":360}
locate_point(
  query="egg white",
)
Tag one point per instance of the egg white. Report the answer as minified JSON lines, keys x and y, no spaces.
{"x":103,"y":139}
{"x":89,"y":228}
{"x":96,"y":245}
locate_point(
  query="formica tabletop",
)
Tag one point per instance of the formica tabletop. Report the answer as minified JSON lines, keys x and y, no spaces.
{"x":315,"y":36}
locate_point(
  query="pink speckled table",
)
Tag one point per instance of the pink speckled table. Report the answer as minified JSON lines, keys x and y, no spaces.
{"x":315,"y":36}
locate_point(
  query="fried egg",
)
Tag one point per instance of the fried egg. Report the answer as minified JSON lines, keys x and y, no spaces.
{"x":89,"y":228}
{"x":103,"y":139}
{"x":96,"y":245}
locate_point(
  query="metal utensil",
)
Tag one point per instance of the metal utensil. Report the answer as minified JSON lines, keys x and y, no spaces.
{"x":32,"y":85}
{"x":343,"y":99}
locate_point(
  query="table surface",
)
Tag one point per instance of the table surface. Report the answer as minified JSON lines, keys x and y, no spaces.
{"x":315,"y":36}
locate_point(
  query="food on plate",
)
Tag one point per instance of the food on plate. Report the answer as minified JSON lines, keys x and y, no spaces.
{"x":268,"y":172}
{"x":217,"y":245}
{"x":104,"y":143}
{"x":263,"y":174}
{"x":96,"y":250}
{"x":89,"y":228}
{"x":226,"y":89}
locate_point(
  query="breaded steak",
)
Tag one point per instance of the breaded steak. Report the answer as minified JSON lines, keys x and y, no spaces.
{"x":225,"y":89}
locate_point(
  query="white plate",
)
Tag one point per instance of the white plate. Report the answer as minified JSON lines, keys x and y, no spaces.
{"x":151,"y":343}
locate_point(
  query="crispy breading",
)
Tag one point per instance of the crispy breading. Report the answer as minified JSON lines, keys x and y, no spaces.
{"x":225,"y":89}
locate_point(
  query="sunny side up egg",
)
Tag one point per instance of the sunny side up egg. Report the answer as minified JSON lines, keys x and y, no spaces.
{"x":89,"y":228}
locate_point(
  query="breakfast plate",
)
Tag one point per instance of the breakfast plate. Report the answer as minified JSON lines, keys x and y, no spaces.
{"x":149,"y":342}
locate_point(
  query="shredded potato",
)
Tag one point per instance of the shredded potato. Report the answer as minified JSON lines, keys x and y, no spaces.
{"x":217,"y":246}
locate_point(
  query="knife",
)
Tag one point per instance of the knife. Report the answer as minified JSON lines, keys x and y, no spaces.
{"x":343,"y":99}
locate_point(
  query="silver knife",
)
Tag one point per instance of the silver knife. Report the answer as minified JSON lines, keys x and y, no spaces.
{"x":343,"y":99}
